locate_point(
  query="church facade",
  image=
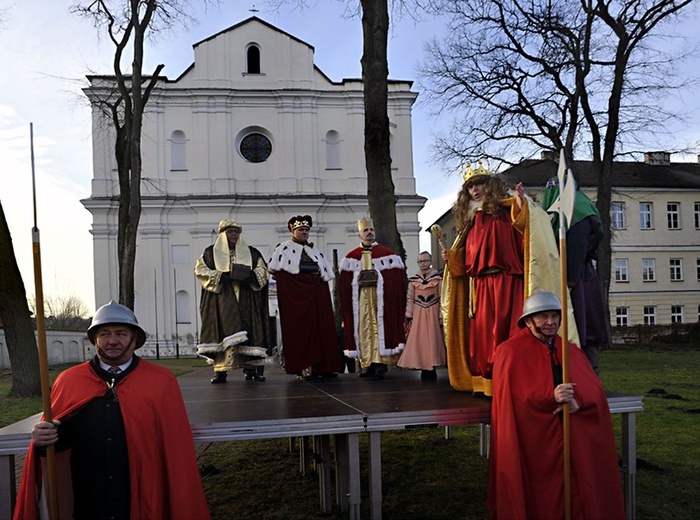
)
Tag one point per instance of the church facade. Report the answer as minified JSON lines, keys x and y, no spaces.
{"x":252,"y":131}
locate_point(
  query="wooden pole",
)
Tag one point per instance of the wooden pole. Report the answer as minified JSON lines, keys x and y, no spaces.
{"x":565,"y":362}
{"x":43,"y":354}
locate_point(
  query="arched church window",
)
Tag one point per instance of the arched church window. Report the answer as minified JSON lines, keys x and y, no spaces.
{"x":332,"y":150}
{"x":178,"y":151}
{"x":253,"y":59}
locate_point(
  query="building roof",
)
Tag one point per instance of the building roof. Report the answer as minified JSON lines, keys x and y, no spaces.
{"x":536,"y":172}
{"x":247,"y":21}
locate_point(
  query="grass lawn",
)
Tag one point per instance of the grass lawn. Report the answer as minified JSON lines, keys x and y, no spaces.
{"x":426,"y":477}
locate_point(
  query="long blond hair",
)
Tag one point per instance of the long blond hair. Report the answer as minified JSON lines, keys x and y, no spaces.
{"x":495,"y":190}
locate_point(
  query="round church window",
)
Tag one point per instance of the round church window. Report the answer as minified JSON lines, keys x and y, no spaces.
{"x":256,"y":148}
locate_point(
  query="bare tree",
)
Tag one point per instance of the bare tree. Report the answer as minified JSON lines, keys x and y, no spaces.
{"x":16,"y":320}
{"x":63,"y":312}
{"x":381,"y":193}
{"x":123,"y":97}
{"x":551,"y":74}
{"x":375,"y":74}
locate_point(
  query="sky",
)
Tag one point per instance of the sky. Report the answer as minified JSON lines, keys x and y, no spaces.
{"x":45,"y":53}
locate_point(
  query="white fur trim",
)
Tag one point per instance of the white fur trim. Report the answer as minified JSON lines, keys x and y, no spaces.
{"x":380,"y":264}
{"x":287,"y":256}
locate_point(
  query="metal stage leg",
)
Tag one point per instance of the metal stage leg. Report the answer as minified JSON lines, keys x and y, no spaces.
{"x":7,"y":486}
{"x":303,"y":447}
{"x":375,"y":475}
{"x":342,"y":470}
{"x":484,"y":439}
{"x":322,"y":457}
{"x":629,"y":463}
{"x":448,"y":432}
{"x":354,"y":496}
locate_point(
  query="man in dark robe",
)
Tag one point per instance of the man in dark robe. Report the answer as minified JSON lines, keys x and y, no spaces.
{"x":526,"y":463}
{"x":302,"y":273}
{"x":122,"y":436}
{"x":234,"y":305}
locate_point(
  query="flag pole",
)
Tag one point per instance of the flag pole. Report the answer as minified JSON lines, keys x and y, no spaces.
{"x":563,"y":223}
{"x":41,"y":340}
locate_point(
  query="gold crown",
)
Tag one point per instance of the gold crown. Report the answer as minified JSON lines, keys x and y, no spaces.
{"x":468,"y":173}
{"x":364,"y":222}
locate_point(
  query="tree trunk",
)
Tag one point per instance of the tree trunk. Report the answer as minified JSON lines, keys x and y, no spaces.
{"x":375,"y":72}
{"x":16,"y":320}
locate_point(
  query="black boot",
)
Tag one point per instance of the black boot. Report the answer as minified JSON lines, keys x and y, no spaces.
{"x":254,"y":374}
{"x":428,"y":375}
{"x":380,"y":371}
{"x":258,"y":376}
{"x":219,"y":377}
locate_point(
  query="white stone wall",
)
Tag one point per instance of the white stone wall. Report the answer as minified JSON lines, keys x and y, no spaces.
{"x":61,"y":347}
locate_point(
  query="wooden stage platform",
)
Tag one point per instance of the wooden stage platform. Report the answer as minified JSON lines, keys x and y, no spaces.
{"x":345,"y":407}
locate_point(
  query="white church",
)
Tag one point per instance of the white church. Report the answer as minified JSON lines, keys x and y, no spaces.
{"x":253,"y":131}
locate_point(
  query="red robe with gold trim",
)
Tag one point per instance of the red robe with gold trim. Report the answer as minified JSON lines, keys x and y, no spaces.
{"x":526,"y":463}
{"x":163,"y":473}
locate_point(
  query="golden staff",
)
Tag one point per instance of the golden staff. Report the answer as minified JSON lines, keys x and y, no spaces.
{"x":436,"y":231}
{"x":43,"y":356}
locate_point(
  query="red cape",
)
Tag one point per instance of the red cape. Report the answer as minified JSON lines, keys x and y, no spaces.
{"x":394,"y":301}
{"x":164,"y":477}
{"x":526,"y":463}
{"x":308,"y":324}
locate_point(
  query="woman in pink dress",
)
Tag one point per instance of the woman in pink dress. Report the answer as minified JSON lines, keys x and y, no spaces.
{"x":425,"y":345}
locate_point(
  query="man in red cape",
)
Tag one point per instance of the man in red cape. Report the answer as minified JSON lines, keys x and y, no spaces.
{"x":302,"y":274}
{"x":373,"y":298}
{"x":123,"y":440}
{"x":526,"y":463}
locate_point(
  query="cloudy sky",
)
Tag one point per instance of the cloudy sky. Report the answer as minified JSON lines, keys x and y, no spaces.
{"x":45,"y":53}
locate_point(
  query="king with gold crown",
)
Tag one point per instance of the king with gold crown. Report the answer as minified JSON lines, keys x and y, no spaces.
{"x":373,"y":299}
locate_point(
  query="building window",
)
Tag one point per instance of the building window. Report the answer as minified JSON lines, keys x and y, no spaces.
{"x":178,"y":155}
{"x":697,"y":269}
{"x":676,"y":314}
{"x":255,"y":148}
{"x":332,"y":150}
{"x":622,"y":316}
{"x":621,"y":270}
{"x":673,"y":214}
{"x":676,"y":267}
{"x":696,"y":214}
{"x":645,"y":221}
{"x":252,"y":55}
{"x":617,"y":215}
{"x":649,"y":315}
{"x":648,"y":269}
{"x":182,"y":307}
{"x":180,"y":254}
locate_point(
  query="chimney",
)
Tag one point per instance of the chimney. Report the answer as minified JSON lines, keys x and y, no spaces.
{"x":548,"y":155}
{"x":657,"y":158}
